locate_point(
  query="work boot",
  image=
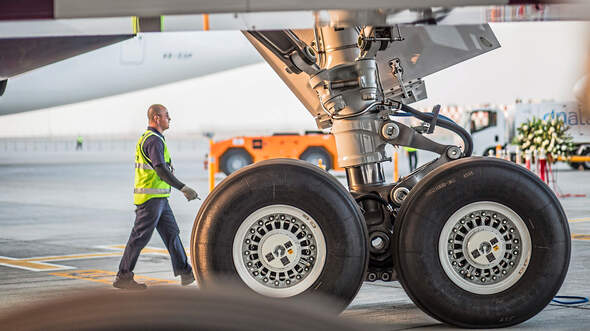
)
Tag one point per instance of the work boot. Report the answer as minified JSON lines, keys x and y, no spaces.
{"x":187,"y":278}
{"x":126,"y":282}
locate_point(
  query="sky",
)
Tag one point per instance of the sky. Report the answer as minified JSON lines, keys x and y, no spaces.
{"x":537,"y":61}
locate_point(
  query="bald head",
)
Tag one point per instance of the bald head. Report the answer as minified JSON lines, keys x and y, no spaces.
{"x":155,"y":109}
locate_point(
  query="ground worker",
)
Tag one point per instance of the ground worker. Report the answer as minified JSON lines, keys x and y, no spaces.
{"x":153,"y":181}
{"x":79,"y":142}
{"x":412,"y":157}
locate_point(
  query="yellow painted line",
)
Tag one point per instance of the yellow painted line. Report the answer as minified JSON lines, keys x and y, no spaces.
{"x":107,"y":277}
{"x":147,"y":250}
{"x":71,"y":257}
{"x":27,"y":265}
{"x":576,"y":236}
{"x":578,"y":220}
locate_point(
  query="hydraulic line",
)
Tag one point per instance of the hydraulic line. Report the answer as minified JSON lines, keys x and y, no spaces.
{"x":443,"y":123}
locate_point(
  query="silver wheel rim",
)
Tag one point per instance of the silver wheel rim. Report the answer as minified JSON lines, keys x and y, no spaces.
{"x":485,"y":247}
{"x":279,"y":251}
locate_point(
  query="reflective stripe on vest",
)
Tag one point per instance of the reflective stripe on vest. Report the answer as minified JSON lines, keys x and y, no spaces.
{"x":143,"y":166}
{"x":147,"y":182}
{"x":151,"y":190}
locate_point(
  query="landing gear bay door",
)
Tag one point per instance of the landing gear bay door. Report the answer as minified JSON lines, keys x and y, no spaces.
{"x":418,"y":50}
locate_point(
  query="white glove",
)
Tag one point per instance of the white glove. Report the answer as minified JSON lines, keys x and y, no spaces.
{"x":189,"y":193}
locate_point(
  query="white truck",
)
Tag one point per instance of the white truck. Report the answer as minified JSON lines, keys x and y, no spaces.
{"x":492,"y":126}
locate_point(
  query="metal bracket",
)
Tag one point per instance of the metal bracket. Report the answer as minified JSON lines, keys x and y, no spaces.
{"x":407,"y":136}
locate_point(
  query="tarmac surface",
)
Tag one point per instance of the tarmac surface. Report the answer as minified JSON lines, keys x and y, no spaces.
{"x":65,"y":218}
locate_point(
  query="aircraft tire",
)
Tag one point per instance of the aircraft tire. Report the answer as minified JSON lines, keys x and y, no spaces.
{"x":481,"y":243}
{"x":169,"y":308}
{"x":261,"y":208}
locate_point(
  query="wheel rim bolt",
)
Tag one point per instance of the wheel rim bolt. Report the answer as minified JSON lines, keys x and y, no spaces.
{"x":298,"y":277}
{"x":309,"y":236}
{"x":495,"y":216}
{"x":503,"y":272}
{"x":483,"y":280}
{"x":255,"y":273}
{"x":472,"y":216}
{"x":451,"y":241}
{"x":276,"y":283}
{"x":311,"y":259}
{"x":483,"y":213}
{"x":292,"y":220}
{"x":265,"y":280}
{"x":494,"y":278}
{"x":249,"y":264}
{"x":248,"y":241}
{"x":306,"y":269}
{"x":511,"y":230}
{"x":252,"y":231}
{"x":472,"y":278}
{"x":288,"y":282}
{"x":515,"y":241}
{"x":302,"y":226}
{"x":271,"y":218}
{"x":515,"y":253}
{"x":246,"y":253}
{"x":454,"y":263}
{"x":511,"y":263}
{"x":260,"y":223}
{"x":282,"y":217}
{"x":504,"y":221}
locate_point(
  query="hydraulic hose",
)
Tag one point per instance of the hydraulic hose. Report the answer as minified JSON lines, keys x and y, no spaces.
{"x":443,"y":123}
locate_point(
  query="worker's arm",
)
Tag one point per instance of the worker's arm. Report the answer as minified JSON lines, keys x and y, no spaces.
{"x":154,"y":149}
{"x":167,"y":176}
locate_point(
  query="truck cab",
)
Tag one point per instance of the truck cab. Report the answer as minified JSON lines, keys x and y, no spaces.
{"x":487,"y":128}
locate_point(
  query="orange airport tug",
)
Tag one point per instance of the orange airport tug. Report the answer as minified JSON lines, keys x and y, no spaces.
{"x":232,"y":154}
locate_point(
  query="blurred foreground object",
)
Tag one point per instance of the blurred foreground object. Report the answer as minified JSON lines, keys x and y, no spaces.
{"x":174,"y":309}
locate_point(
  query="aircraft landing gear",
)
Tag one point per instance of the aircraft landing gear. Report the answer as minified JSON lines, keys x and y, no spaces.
{"x":282,"y":228}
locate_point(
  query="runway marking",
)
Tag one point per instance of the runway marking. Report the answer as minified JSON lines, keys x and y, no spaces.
{"x":578,"y":220}
{"x":576,"y":236}
{"x":30,"y":265}
{"x":107,"y":277}
{"x":39,"y":263}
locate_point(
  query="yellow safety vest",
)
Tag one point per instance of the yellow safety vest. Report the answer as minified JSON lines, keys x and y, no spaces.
{"x":147,"y":182}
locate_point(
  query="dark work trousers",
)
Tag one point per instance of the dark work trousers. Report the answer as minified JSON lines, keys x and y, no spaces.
{"x":413,"y":158}
{"x":154,"y":214}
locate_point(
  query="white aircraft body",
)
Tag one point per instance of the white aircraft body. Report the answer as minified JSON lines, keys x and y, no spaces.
{"x":147,"y":60}
{"x":475,"y":242}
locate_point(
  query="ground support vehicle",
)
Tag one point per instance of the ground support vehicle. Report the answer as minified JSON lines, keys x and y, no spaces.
{"x":474,"y":241}
{"x":492,"y":126}
{"x":229,"y":155}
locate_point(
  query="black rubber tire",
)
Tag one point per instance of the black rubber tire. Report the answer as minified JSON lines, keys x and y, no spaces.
{"x":452,"y":186}
{"x":171,"y":309}
{"x":225,"y":161}
{"x":289,"y":182}
{"x":316,"y":152}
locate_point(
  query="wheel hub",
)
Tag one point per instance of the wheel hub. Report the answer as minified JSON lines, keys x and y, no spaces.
{"x":279,"y":251}
{"x":485,"y":247}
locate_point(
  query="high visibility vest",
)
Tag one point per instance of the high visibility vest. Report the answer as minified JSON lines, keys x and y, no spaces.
{"x":147,"y":182}
{"x":410,"y":149}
